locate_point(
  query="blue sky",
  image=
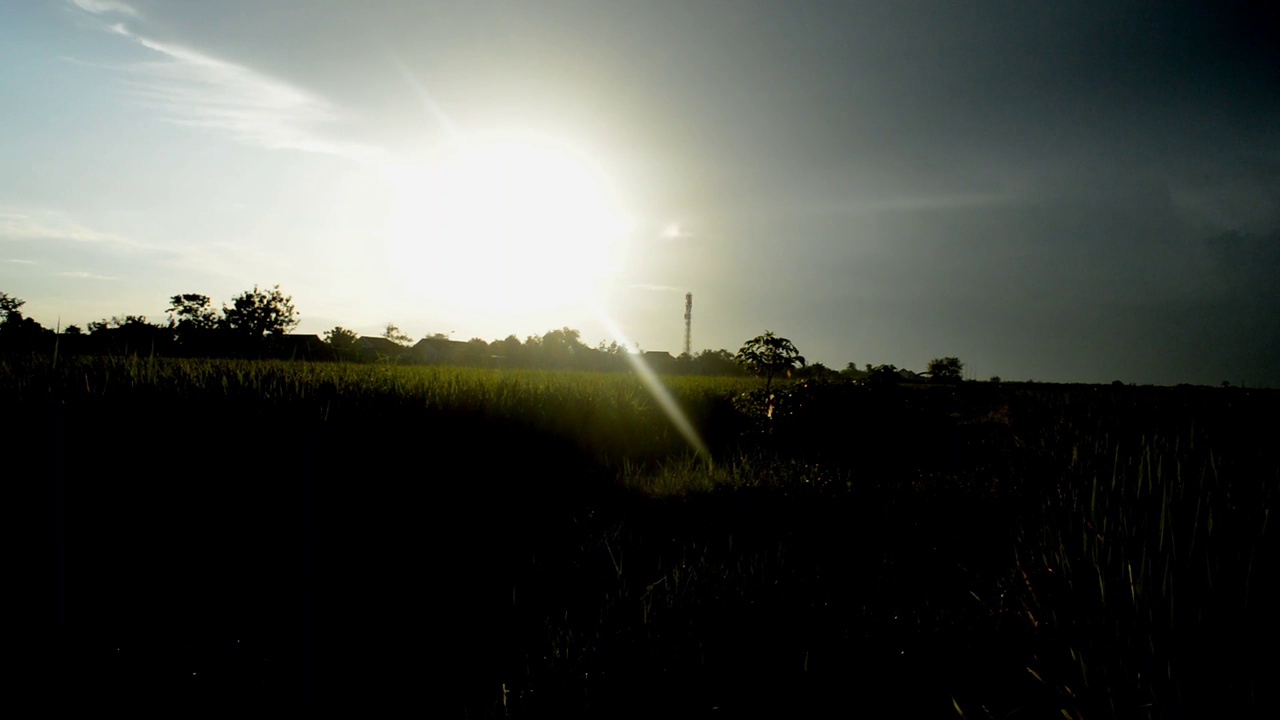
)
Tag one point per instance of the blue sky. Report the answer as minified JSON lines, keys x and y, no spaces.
{"x":1046,"y":190}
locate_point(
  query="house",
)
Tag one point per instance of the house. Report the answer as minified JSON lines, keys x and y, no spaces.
{"x":911,"y":377}
{"x":438,"y":349}
{"x":297,"y":346}
{"x":378,"y":347}
{"x":658,"y":360}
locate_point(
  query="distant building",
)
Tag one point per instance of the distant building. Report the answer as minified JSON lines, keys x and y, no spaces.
{"x":439,"y":350}
{"x":659,"y":360}
{"x":296,"y":346}
{"x":378,"y":347}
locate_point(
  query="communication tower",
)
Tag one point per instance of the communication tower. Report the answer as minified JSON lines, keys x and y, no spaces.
{"x":688,"y":324}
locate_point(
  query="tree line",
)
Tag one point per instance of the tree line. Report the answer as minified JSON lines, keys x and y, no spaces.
{"x":257,"y":324}
{"x":245,"y":326}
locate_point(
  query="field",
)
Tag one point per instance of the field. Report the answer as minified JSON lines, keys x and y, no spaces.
{"x":536,"y":544}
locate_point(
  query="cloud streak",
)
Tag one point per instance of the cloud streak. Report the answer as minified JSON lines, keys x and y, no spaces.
{"x":49,"y":227}
{"x":82,"y":275}
{"x":61,"y":234}
{"x":194,"y":89}
{"x":103,"y":7}
{"x":197,"y":90}
{"x":41,"y":225}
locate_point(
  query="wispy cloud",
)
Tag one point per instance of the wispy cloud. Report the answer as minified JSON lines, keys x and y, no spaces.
{"x":194,"y":89}
{"x":908,"y":202}
{"x":102,"y":7}
{"x":951,"y":201}
{"x":54,"y":231}
{"x":230,"y":258}
{"x":18,"y":225}
{"x":81,"y":275}
{"x":47,"y":228}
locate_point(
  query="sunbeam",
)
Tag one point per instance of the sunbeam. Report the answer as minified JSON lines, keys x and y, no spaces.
{"x":655,"y":387}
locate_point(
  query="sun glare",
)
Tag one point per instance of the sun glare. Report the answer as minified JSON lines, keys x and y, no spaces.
{"x":513,"y":225}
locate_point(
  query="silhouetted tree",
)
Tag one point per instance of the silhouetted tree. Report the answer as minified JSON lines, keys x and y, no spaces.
{"x":256,"y":313}
{"x":16,"y":330}
{"x":475,"y":352}
{"x":193,"y":321}
{"x":192,"y":312}
{"x":946,"y":370}
{"x":344,"y":342}
{"x":9,"y":305}
{"x":562,"y":348}
{"x":852,"y":372}
{"x":397,"y":336}
{"x":716,"y":362}
{"x":816,"y":371}
{"x":609,"y":356}
{"x":769,"y":355}
{"x":130,"y":334}
{"x":509,"y":350}
{"x":882,"y":375}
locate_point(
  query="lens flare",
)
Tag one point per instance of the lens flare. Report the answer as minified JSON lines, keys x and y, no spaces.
{"x":656,"y":388}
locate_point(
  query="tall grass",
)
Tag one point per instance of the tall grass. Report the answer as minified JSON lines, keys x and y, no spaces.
{"x":1003,"y":551}
{"x":1142,"y":560}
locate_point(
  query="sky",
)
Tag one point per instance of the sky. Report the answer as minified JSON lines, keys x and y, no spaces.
{"x":1076,"y":191}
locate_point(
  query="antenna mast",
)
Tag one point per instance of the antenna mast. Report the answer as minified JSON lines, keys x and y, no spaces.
{"x":688,"y":323}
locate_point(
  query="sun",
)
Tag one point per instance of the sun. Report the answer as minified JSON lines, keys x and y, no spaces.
{"x":505,"y":224}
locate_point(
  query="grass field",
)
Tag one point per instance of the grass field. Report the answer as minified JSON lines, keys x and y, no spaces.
{"x":529,"y":544}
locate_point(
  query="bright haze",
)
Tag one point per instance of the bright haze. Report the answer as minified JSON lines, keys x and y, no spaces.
{"x":1059,"y":191}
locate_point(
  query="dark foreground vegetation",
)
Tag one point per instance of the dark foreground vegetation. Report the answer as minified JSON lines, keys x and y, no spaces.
{"x":280,"y":536}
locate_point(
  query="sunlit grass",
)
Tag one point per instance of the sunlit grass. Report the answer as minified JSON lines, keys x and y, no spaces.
{"x":612,"y":414}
